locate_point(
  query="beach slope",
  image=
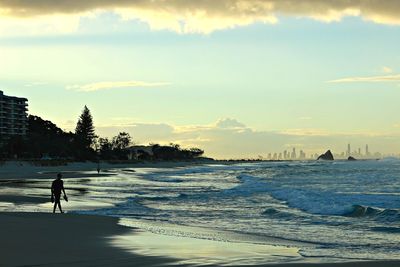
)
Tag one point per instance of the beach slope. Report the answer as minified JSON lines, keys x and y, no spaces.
{"x":39,"y":239}
{"x":45,"y":239}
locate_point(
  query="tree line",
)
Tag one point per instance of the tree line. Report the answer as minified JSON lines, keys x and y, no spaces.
{"x":45,"y":140}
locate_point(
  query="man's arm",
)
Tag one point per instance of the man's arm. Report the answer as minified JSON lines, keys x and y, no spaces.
{"x":52,"y":193}
{"x":63,"y":189}
{"x":65,"y":195}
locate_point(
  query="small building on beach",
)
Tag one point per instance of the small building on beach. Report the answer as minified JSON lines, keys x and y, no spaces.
{"x":137,"y":152}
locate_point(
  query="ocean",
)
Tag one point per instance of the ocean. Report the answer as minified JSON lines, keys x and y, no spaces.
{"x":336,"y":210}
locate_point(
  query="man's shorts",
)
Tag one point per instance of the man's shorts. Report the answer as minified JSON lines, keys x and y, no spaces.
{"x":57,"y":197}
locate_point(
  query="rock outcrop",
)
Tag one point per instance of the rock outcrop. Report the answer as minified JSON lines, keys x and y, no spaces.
{"x":327,"y":156}
{"x":351,"y":158}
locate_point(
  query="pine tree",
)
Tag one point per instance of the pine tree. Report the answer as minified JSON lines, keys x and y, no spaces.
{"x":84,"y":129}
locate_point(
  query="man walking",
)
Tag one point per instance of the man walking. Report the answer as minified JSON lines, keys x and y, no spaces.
{"x":56,"y":187}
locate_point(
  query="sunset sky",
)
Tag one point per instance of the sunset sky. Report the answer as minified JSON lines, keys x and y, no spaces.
{"x":239,"y":78}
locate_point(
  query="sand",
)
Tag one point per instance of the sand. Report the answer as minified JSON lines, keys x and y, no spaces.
{"x":39,"y":239}
{"x":45,"y":239}
{"x":26,"y":170}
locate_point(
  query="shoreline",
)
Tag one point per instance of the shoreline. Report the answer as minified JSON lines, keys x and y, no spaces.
{"x":11,"y":170}
{"x":85,"y":239}
{"x":47,"y":239}
{"x":23,"y":170}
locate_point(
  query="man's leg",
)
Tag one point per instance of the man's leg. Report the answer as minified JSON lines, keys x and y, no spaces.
{"x":56,"y":202}
{"x":59,"y":206}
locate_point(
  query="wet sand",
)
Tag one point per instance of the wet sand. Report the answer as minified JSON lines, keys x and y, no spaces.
{"x":39,"y":239}
{"x":44,"y":239}
{"x":26,"y":170}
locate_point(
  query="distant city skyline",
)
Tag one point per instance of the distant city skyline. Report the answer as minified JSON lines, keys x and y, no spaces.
{"x":358,"y":154}
{"x":239,"y":80}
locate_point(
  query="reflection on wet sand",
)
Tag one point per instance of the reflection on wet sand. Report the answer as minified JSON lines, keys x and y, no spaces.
{"x":202,"y":251}
{"x":34,"y":194}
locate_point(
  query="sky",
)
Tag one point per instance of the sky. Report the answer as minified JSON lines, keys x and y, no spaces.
{"x":238,"y":78}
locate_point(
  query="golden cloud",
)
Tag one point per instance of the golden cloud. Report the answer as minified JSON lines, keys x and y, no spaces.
{"x":230,"y":141}
{"x":384,"y":78}
{"x":205,"y":16}
{"x":112,"y":85}
{"x":386,"y":69}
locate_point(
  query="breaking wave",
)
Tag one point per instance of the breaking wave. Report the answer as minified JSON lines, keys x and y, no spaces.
{"x":389,"y":215}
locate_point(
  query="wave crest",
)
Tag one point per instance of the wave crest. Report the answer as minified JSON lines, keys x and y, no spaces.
{"x":359,"y":211}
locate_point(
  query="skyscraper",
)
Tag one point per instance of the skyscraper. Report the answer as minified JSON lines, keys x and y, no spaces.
{"x":293,"y":156}
{"x":348,"y":153}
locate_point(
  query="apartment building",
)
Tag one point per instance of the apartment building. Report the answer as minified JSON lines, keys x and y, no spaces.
{"x":13,"y":116}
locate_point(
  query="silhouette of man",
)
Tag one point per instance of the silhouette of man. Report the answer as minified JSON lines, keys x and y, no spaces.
{"x":56,"y":187}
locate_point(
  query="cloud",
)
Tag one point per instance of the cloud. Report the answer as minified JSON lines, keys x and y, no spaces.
{"x":236,"y":140}
{"x":384,"y":78}
{"x":205,"y":16}
{"x":41,"y":25}
{"x":112,"y":85}
{"x":141,"y":132}
{"x":228,"y":123}
{"x":386,"y":69}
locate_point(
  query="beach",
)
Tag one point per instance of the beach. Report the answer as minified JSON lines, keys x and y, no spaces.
{"x":32,"y":236}
{"x":27,"y":170}
{"x":44,"y":239}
